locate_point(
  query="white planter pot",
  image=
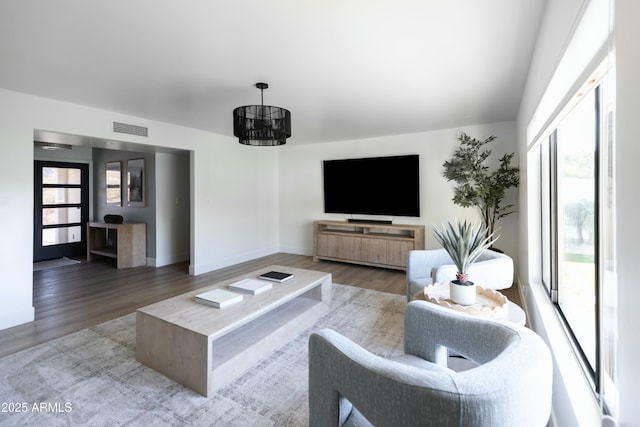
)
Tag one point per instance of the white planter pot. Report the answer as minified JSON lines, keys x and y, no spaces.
{"x":462,"y":294}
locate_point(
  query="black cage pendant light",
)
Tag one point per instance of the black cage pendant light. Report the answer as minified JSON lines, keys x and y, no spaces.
{"x":262,"y":125}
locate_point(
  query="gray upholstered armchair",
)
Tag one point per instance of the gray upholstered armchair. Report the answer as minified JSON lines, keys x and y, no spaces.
{"x":491,"y":270}
{"x":511,"y":386}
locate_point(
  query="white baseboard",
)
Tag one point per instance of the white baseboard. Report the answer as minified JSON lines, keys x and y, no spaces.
{"x":296,"y":250}
{"x":167,"y":260}
{"x":197,"y":269}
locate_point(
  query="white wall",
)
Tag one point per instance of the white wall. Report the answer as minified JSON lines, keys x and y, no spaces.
{"x":234,"y":190}
{"x":16,"y":210}
{"x":234,"y":205}
{"x":627,"y":34}
{"x":301,"y":192}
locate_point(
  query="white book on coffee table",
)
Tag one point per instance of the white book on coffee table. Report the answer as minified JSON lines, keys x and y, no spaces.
{"x":251,"y":286}
{"x":219,"y":298}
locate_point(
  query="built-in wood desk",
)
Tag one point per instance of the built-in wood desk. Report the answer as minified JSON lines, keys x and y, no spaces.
{"x":127,"y":242}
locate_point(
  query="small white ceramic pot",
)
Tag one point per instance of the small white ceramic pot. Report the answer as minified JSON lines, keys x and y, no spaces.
{"x":462,"y":294}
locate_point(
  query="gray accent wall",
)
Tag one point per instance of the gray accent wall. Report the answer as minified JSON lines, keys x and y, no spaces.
{"x":166,"y":211}
{"x":146,"y":214}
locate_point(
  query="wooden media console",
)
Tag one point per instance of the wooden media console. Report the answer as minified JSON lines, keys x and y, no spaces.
{"x":379,"y":245}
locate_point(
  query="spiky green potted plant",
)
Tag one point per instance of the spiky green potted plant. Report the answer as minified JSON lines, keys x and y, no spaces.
{"x":464,"y":242}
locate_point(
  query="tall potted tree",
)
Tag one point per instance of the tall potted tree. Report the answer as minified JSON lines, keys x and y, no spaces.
{"x":464,"y":242}
{"x":477,"y":185}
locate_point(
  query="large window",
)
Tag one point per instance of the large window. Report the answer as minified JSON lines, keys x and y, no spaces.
{"x":577,"y":229}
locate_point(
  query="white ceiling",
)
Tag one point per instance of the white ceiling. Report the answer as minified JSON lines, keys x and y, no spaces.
{"x":346,"y":69}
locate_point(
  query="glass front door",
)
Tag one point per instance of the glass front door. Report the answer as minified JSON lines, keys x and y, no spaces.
{"x":61,"y":209}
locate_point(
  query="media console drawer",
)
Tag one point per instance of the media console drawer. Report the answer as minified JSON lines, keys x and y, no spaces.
{"x":379,"y":245}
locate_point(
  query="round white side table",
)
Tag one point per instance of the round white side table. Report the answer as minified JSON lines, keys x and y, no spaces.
{"x":515,"y":314}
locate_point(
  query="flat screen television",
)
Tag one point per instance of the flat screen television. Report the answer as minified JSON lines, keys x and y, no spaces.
{"x":373,"y":186}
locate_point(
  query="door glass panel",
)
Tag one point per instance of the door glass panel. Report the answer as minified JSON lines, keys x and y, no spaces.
{"x":61,"y":196}
{"x":51,"y":175}
{"x":55,"y":216}
{"x":59,"y":235}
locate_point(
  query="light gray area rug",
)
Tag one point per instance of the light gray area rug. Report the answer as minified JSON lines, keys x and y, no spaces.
{"x":92,"y":378}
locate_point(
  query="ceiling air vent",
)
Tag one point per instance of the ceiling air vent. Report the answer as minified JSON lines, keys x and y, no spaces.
{"x":130,"y":129}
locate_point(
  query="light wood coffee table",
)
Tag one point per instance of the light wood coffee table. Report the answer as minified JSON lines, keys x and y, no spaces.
{"x":205,"y":348}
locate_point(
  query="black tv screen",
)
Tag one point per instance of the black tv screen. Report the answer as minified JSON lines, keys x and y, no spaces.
{"x":373,"y":186}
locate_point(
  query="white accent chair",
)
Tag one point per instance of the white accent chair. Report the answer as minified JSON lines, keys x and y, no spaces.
{"x":492,"y":270}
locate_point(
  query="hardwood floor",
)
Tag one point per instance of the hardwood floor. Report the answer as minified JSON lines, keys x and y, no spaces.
{"x":71,"y":298}
{"x":68,"y":299}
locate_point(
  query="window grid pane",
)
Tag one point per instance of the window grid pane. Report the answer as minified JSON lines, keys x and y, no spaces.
{"x":52,"y":175}
{"x":608,"y":276}
{"x":576,"y":240}
{"x":56,"y":216}
{"x":61,"y":235}
{"x":545,"y":214}
{"x":61,"y":196}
